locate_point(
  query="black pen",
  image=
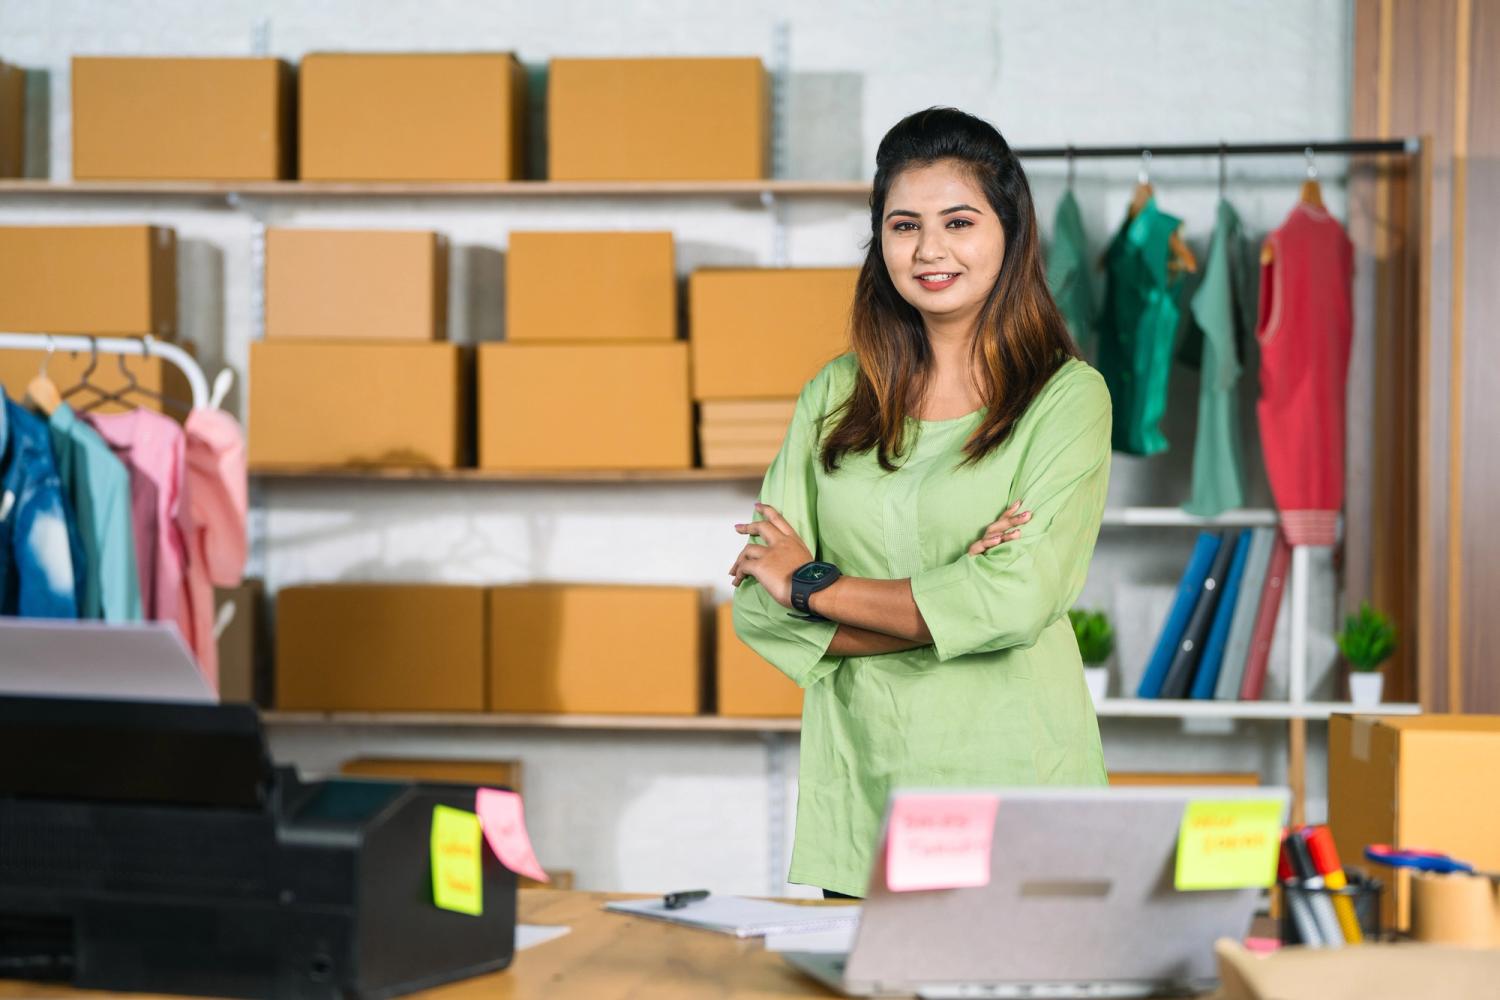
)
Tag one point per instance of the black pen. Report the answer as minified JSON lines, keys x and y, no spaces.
{"x":677,"y":900}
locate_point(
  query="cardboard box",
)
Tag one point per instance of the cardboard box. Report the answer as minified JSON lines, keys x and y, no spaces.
{"x":488,"y":773}
{"x":738,"y":456}
{"x":330,"y":284}
{"x":360,"y":404}
{"x":756,"y":412}
{"x":100,"y":280}
{"x":795,"y":319}
{"x":12,"y":121}
{"x":65,"y":369}
{"x":181,"y":119}
{"x":595,"y":649}
{"x":244,"y":645}
{"x":657,"y":119}
{"x":381,"y":648}
{"x":590,"y":287}
{"x":411,"y":117}
{"x":748,"y":686}
{"x":1424,"y":781}
{"x":584,"y":406}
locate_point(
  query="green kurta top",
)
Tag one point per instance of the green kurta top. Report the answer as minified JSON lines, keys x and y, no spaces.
{"x":1068,"y":272}
{"x":1138,"y":328}
{"x":1218,"y":480}
{"x":999,"y":697}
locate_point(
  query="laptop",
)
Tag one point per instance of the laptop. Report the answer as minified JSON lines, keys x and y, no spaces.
{"x":1080,"y":903}
{"x":145,"y":661}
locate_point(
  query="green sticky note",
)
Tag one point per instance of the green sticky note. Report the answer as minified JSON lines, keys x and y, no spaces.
{"x":457,"y":874}
{"x":1228,"y":844}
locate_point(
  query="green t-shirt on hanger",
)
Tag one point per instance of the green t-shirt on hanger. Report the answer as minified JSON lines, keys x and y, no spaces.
{"x":1068,"y":273}
{"x":1138,"y":328}
{"x":1218,"y":309}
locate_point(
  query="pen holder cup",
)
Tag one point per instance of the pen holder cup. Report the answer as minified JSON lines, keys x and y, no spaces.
{"x":1362,"y":893}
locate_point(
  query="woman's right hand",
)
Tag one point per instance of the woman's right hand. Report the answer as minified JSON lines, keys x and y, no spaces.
{"x":1006,"y":529}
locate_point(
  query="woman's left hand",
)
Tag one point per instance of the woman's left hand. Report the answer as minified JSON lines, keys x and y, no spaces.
{"x":774,"y":562}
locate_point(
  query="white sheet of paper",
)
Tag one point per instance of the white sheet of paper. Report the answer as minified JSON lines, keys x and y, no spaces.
{"x":68,"y":659}
{"x":743,"y":917}
{"x":834,"y":942}
{"x":531,"y":935}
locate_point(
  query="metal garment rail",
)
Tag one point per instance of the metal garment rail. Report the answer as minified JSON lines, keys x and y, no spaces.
{"x":145,"y":347}
{"x":1406,"y":146}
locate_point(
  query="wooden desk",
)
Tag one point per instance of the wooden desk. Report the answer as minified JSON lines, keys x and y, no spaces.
{"x":606,"y":956}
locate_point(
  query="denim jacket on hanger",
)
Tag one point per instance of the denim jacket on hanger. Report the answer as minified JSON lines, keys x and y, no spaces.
{"x":37,"y":539}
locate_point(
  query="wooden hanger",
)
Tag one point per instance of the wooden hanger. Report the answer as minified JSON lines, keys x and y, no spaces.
{"x":1310,"y":195}
{"x":1181,"y":259}
{"x":41,"y":391}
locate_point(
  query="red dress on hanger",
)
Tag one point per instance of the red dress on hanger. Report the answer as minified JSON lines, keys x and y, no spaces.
{"x":1304,"y":334}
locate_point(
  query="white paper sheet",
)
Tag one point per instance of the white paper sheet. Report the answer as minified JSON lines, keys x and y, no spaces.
{"x":744,"y":917}
{"x":531,"y":935}
{"x":834,"y":942}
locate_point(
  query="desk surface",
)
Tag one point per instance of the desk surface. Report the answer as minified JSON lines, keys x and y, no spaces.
{"x":606,"y":957}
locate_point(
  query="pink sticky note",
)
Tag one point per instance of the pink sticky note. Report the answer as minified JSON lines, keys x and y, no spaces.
{"x":503,"y":820}
{"x":939,"y":841}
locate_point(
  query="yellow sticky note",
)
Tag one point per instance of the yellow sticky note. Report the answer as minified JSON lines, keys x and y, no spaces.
{"x":457,"y":873}
{"x":1228,"y":844}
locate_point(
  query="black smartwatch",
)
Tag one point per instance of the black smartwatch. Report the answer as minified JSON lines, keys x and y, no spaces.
{"x":807,"y":581}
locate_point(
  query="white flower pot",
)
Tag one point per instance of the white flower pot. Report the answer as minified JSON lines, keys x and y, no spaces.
{"x":1097,"y":678}
{"x":1365,"y":688}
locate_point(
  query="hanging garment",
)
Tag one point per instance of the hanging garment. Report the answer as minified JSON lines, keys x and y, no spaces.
{"x":97,"y":486}
{"x":998,"y":698}
{"x":217,"y":503}
{"x":40,"y":553}
{"x":1305,"y":336}
{"x":1138,"y":328}
{"x":1068,"y":273}
{"x":1218,"y":461}
{"x":151,"y":446}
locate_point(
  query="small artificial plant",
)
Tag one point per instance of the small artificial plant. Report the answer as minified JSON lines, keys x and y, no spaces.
{"x":1096,"y":637}
{"x":1367,"y":640}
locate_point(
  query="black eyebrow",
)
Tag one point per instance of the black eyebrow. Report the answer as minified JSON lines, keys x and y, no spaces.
{"x":947,"y":211}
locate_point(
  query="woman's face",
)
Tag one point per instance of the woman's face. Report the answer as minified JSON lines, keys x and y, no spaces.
{"x":942,"y":243}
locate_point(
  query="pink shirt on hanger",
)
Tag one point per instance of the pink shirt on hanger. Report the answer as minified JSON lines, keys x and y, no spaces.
{"x":216,"y":545}
{"x":152,"y":447}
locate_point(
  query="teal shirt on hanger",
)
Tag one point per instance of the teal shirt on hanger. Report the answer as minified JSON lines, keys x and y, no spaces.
{"x":1068,"y":273}
{"x":1218,"y":309}
{"x":1138,"y":328}
{"x":97,"y":485}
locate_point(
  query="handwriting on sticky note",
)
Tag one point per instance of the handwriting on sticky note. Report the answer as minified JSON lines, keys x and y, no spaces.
{"x":1228,"y":844}
{"x":503,"y":819}
{"x":457,"y":871}
{"x":939,"y":841}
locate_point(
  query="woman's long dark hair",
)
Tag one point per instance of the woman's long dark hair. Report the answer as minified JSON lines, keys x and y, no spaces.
{"x":1022,"y":339}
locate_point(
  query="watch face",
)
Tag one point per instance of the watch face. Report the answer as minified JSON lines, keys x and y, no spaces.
{"x":812,"y":572}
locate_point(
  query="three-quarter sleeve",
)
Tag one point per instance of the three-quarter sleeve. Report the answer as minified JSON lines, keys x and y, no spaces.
{"x":1006,"y":596}
{"x":797,"y":648}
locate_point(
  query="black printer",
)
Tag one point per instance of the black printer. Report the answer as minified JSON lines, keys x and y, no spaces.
{"x":153,"y":847}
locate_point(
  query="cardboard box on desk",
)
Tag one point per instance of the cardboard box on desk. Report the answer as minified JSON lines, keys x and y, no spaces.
{"x":12,"y":120}
{"x":657,"y":119}
{"x":748,"y":686}
{"x":66,"y":368}
{"x":584,"y":406}
{"x":360,"y":404}
{"x":594,"y":649}
{"x":411,"y":117}
{"x":99,"y":280}
{"x":1422,"y":781}
{"x":331,"y":284}
{"x":795,"y":319}
{"x":150,"y":118}
{"x":381,"y":648}
{"x":590,"y":287}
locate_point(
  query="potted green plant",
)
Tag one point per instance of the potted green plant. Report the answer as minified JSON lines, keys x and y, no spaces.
{"x":1096,"y":641}
{"x":1367,"y":640}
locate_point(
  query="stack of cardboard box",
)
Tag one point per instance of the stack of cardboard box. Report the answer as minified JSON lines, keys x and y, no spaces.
{"x":758,"y":335}
{"x":355,"y":368}
{"x":591,"y":375}
{"x":533,"y":648}
{"x":96,"y":281}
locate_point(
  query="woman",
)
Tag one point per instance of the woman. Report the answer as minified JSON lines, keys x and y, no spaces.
{"x":935,"y":648}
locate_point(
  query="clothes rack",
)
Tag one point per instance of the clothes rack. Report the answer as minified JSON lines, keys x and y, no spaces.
{"x":143,"y":346}
{"x":1406,"y":146}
